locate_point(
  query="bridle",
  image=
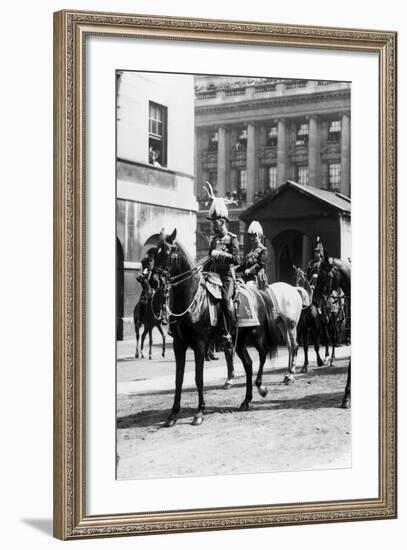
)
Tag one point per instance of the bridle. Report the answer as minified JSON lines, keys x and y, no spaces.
{"x":168,"y":281}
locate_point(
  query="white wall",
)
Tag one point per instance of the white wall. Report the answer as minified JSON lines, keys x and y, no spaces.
{"x":26,"y":282}
{"x":176,"y":92}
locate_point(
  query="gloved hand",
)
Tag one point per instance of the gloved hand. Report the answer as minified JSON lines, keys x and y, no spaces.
{"x":215,"y":253}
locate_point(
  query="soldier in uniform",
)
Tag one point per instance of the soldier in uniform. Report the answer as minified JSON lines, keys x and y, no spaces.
{"x":253,"y":266}
{"x":313,"y":265}
{"x":147,"y":264}
{"x":223,"y":255}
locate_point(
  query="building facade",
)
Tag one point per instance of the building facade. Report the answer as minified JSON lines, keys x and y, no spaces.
{"x":154,"y":174}
{"x":252,"y":135}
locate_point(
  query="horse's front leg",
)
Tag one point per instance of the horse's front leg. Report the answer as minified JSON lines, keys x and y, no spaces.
{"x":150,"y":343}
{"x":180,"y":353}
{"x":199,"y":367}
{"x":334,"y":339}
{"x":143,"y":337}
{"x":228,"y":350}
{"x":305,"y":347}
{"x":163,"y":337}
{"x":137,"y":354}
{"x":346,"y":397}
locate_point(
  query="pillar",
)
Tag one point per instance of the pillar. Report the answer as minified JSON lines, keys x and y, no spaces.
{"x":345,"y":155}
{"x":314,"y":154}
{"x":222,"y":161}
{"x":282,"y":152}
{"x":251,"y":162}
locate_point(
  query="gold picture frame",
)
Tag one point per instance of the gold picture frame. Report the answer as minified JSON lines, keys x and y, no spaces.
{"x":70,"y":517}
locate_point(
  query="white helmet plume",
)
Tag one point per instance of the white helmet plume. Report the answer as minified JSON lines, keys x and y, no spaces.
{"x":218,"y":209}
{"x":255,"y":228}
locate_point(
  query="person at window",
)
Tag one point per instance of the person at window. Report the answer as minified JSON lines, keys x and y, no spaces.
{"x":153,"y":157}
{"x":253,"y":266}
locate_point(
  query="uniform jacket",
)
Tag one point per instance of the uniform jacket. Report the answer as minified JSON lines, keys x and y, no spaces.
{"x":229,"y":256}
{"x":254,"y":261}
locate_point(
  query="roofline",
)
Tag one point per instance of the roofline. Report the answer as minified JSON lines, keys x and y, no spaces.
{"x":302,"y":189}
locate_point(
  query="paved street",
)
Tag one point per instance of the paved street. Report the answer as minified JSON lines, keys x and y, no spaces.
{"x":143,"y":375}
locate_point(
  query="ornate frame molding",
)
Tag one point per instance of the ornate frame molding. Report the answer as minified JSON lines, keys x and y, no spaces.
{"x":70,"y":31}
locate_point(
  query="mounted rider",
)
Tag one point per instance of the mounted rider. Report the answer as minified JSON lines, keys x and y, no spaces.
{"x":253,"y":266}
{"x":315,"y":263}
{"x":223,"y":255}
{"x":147,"y":264}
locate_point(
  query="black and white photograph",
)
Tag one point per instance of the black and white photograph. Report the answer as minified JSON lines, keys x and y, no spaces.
{"x":233,"y":274}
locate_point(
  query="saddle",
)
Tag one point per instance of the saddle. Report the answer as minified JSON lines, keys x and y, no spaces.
{"x":243,"y":299}
{"x":213,"y":284}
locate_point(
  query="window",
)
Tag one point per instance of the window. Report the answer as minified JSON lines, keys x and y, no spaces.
{"x":157,"y":134}
{"x":213,"y":141}
{"x":302,"y":175}
{"x":302,"y":134}
{"x":334,"y":176}
{"x":272,"y":136}
{"x":272,"y":177}
{"x":242,"y":181}
{"x":241,"y":142}
{"x":334,"y":130}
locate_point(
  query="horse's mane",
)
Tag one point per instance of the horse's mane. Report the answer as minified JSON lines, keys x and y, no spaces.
{"x":183,"y":251}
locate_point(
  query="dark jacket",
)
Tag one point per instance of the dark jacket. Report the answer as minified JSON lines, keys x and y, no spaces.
{"x":229,"y":254}
{"x":255,"y":263}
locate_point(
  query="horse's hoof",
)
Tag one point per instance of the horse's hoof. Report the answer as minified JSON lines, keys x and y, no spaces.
{"x":136,"y":356}
{"x":163,"y":354}
{"x":304,"y":369}
{"x":198,"y":419}
{"x":320,"y":363}
{"x":149,"y":357}
{"x":289,"y":379}
{"x":227,"y":385}
{"x":169,"y":423}
{"x":244,"y":406}
{"x":262,"y":390}
{"x":346,"y":404}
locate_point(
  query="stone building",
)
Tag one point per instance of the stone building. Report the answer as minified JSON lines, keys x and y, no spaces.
{"x":254,"y":134}
{"x":155,"y":174}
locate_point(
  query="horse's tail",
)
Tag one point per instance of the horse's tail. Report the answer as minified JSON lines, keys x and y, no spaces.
{"x":272,"y":333}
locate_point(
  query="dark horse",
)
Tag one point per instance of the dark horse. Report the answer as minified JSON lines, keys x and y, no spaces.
{"x":334,"y":274}
{"x":149,"y":314}
{"x":191,"y":327}
{"x":311,"y":322}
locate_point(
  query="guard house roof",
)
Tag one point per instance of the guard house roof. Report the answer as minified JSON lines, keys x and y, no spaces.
{"x":326,"y":199}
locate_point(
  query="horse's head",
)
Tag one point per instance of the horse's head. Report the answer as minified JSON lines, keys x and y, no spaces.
{"x":165,"y":254}
{"x":299,"y":276}
{"x":324,"y":284}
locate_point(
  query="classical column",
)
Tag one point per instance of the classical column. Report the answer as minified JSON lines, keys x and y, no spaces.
{"x":251,"y":162}
{"x":282,"y":152}
{"x":222,"y":161}
{"x":314,"y":154}
{"x":198,"y":163}
{"x":345,"y":155}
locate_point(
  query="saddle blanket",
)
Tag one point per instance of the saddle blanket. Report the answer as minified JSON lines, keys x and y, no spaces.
{"x":247,"y":316}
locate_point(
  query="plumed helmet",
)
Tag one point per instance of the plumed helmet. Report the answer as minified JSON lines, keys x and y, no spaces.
{"x":255,"y":228}
{"x":218,"y":209}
